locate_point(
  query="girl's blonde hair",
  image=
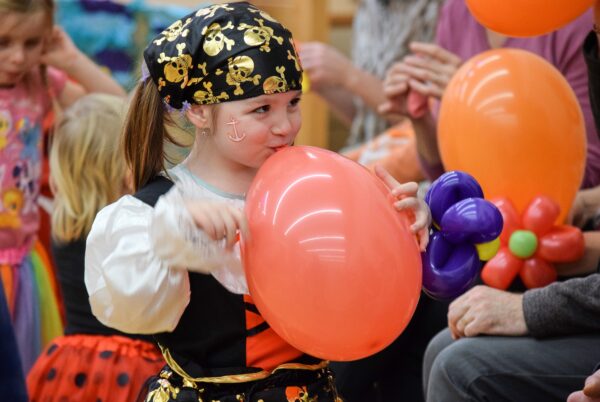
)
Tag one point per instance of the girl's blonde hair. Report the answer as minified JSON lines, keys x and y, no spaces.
{"x":28,"y":6}
{"x":88,"y":170}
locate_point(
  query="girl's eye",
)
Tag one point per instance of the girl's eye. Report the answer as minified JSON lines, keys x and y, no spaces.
{"x":33,"y":42}
{"x":4,"y":42}
{"x":295,"y":101}
{"x":262,"y":109}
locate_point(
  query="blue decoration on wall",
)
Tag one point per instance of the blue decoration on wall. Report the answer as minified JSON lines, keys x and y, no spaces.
{"x":113,"y":34}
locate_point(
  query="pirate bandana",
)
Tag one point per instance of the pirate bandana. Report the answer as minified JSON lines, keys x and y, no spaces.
{"x":223,"y":53}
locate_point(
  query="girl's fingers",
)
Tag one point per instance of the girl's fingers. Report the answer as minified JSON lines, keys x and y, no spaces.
{"x":229,"y":227}
{"x":241,"y":222}
{"x":423,"y":238}
{"x":386,"y":177}
{"x":406,"y":189}
{"x":407,"y":203}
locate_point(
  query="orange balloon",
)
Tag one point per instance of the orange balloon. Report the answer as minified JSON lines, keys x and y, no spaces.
{"x":512,"y":121}
{"x":331,"y":265}
{"x":526,"y":17}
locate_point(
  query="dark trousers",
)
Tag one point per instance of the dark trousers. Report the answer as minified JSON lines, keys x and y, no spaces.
{"x":394,"y":374}
{"x":495,"y":368}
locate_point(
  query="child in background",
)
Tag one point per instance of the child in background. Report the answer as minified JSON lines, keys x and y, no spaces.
{"x":165,"y":260}
{"x":36,"y":59}
{"x":91,"y":362}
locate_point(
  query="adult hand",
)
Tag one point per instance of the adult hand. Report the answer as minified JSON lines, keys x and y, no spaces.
{"x":395,"y":89}
{"x":590,"y":392}
{"x":325,"y":65}
{"x":585,"y":206}
{"x":484,"y":310}
{"x":430,"y":68}
{"x":405,"y":196}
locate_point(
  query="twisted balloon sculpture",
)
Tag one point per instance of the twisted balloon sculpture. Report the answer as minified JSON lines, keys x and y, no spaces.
{"x":466,"y":230}
{"x":531,"y":243}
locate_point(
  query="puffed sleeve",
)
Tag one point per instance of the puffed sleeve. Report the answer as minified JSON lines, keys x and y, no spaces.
{"x":179,"y":242}
{"x":130,"y":288}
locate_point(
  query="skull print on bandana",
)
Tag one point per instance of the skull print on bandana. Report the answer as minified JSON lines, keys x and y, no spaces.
{"x":223,"y":53}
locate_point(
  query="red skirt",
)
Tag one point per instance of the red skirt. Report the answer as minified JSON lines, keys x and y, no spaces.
{"x":82,"y":368}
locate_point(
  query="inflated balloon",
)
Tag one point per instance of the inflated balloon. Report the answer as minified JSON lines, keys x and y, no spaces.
{"x":472,"y":220}
{"x":526,"y":17}
{"x":531,"y":244}
{"x":448,"y":269}
{"x":331,"y":265}
{"x":511,"y":120}
{"x":448,"y":189}
{"x":468,"y":226}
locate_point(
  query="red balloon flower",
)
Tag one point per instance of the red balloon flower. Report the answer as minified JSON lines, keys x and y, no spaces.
{"x":530,"y":244}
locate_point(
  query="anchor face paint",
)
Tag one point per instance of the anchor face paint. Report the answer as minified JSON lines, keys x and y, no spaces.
{"x":247,"y":132}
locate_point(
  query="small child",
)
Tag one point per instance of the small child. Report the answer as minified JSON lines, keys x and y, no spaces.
{"x":36,"y":59}
{"x":91,"y":362}
{"x":165,"y":260}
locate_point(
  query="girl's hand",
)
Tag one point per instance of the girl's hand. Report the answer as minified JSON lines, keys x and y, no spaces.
{"x":406,"y":196}
{"x":60,"y":51}
{"x":219,"y":220}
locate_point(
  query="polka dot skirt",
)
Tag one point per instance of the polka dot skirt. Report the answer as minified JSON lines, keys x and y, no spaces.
{"x":93,"y":368}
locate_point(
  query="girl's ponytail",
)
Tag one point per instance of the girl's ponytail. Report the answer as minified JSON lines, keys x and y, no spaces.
{"x":145,"y":132}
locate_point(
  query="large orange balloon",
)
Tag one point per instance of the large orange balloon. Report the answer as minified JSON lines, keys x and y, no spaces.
{"x":331,"y":265}
{"x":511,"y":120}
{"x":526,"y":17}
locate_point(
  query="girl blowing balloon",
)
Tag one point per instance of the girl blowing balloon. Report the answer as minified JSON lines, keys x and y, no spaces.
{"x":165,"y":261}
{"x":36,"y":59}
{"x":91,"y":362}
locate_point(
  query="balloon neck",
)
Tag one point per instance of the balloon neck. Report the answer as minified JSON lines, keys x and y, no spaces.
{"x":523,"y":243}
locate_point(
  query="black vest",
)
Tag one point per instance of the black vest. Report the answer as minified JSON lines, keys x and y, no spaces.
{"x":210,"y":338}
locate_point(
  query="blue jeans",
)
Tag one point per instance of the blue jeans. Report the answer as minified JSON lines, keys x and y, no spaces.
{"x":495,"y":368}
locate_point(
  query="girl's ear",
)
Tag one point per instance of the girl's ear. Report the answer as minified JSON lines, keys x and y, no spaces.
{"x":198,"y":115}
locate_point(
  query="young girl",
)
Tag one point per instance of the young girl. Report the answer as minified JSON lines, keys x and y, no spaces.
{"x":28,"y":43}
{"x":88,"y":172}
{"x":233,"y":71}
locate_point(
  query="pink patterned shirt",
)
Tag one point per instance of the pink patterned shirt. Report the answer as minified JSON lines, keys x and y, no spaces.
{"x":22,"y":110}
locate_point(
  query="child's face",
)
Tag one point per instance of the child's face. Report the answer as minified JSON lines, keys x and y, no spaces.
{"x":21,"y":44}
{"x":248,"y":131}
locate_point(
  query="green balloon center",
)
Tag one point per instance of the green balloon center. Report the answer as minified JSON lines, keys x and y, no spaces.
{"x":523,"y":243}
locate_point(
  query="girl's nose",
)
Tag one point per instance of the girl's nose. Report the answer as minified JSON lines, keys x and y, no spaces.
{"x":17,"y":55}
{"x":283,"y":126}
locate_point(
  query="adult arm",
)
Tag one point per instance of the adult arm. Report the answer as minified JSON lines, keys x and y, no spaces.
{"x":335,"y":78}
{"x":563,"y":308}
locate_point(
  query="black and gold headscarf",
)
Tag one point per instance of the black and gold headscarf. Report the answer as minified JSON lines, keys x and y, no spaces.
{"x":223,"y":53}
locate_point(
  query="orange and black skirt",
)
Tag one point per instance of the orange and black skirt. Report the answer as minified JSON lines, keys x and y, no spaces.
{"x":94,"y":368}
{"x":285,"y":384}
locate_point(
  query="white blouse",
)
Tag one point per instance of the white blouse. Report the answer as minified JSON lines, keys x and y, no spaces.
{"x":137,"y":257}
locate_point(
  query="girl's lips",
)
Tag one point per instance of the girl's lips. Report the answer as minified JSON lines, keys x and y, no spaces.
{"x":279,"y":148}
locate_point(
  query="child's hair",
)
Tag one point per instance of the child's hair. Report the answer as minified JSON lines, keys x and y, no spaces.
{"x":220,"y":53}
{"x":87,"y":168}
{"x":28,"y":6}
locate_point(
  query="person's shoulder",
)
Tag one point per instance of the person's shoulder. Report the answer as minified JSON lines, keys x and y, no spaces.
{"x":152,"y":190}
{"x":580,"y":26}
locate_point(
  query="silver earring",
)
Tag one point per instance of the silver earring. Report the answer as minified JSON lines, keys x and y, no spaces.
{"x":205,"y":131}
